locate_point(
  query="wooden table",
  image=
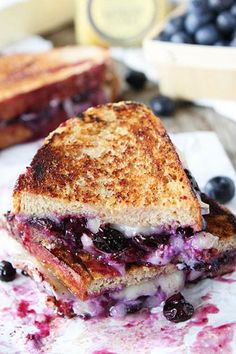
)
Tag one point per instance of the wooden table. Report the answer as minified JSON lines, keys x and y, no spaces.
{"x":187,"y":118}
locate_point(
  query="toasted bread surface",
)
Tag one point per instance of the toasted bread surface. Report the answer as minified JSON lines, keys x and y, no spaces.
{"x":222,"y":223}
{"x":117,"y":163}
{"x":32,"y":80}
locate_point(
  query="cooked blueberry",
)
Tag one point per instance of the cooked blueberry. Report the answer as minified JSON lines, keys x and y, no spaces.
{"x":194,"y":21}
{"x":226,"y":22}
{"x":220,"y":188}
{"x":176,"y":309}
{"x":207,"y":35}
{"x":174,"y":25}
{"x":80,"y":97}
{"x":44,"y":223}
{"x":162,"y":105}
{"x":110,"y":241}
{"x":136,"y":79}
{"x":151,"y":241}
{"x":181,"y":37}
{"x":198,"y":6}
{"x":133,"y":306}
{"x":185,"y":231}
{"x":233,"y":10}
{"x":74,"y":229}
{"x":23,"y":272}
{"x":220,"y":5}
{"x":7,"y":272}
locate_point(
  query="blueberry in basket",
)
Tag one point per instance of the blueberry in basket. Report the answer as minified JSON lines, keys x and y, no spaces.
{"x":162,"y":105}
{"x":136,"y":79}
{"x":205,"y":22}
{"x":194,"y":21}
{"x":226,"y":22}
{"x":207,"y":35}
{"x":220,"y":188}
{"x":7,"y":271}
{"x":175,"y":24}
{"x":220,"y":5}
{"x":181,"y":37}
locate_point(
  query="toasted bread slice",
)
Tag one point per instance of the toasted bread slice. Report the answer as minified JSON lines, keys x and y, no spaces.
{"x":222,"y":223}
{"x":117,"y":163}
{"x":29,"y":81}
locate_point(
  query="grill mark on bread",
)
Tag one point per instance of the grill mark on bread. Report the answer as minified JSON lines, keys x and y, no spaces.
{"x":23,"y":73}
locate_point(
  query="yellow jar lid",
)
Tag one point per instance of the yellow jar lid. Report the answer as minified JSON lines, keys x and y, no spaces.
{"x":122,"y":21}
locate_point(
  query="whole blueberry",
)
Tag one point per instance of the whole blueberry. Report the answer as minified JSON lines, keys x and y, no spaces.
{"x":7,"y":272}
{"x":207,"y":35}
{"x":221,"y":43}
{"x":194,"y":21}
{"x":198,"y":6}
{"x":177,"y":309}
{"x":110,"y":240}
{"x":226,"y":22}
{"x":220,"y":188}
{"x":233,"y":10}
{"x":162,"y":105}
{"x":164,"y":37}
{"x":233,"y":42}
{"x":174,"y":25}
{"x":220,"y":5}
{"x":136,"y":79}
{"x":181,"y":37}
{"x":151,"y":241}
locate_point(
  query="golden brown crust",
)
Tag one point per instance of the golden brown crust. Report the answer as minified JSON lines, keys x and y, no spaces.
{"x":117,"y":159}
{"x":220,"y":222}
{"x":32,"y":80}
{"x":14,"y":134}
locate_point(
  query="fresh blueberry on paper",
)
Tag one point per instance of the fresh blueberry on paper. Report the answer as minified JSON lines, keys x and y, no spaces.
{"x":220,"y":188}
{"x":136,"y":79}
{"x":177,"y":309}
{"x":7,"y":271}
{"x":162,"y":106}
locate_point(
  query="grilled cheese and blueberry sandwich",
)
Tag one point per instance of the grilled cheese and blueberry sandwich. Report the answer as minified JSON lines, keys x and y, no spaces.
{"x":107,"y":210}
{"x":39,"y":91}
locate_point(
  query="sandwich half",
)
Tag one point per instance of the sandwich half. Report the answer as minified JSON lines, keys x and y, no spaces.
{"x":39,"y":91}
{"x":108,"y":210}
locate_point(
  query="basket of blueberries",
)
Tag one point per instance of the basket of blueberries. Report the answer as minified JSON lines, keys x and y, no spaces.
{"x":194,"y":50}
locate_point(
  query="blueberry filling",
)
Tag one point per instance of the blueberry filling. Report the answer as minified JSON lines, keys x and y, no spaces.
{"x":151,"y":242}
{"x":110,"y":240}
{"x":81,"y":235}
{"x":7,"y":272}
{"x":177,"y":309}
{"x":48,"y":118}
